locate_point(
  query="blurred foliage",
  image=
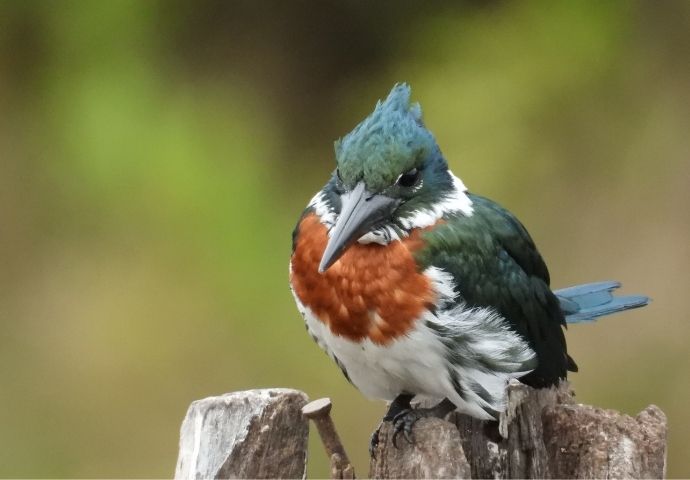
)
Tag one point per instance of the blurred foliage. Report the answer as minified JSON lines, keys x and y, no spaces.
{"x":154,"y":157}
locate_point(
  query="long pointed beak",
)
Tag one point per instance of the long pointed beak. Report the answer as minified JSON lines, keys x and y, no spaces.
{"x":360,"y":211}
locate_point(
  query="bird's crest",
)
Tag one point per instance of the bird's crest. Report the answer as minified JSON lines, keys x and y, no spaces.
{"x":391,"y":140}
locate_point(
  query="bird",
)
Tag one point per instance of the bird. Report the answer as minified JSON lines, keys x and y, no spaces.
{"x":420,"y":290}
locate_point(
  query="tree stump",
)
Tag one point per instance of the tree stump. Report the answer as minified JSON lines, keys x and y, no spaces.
{"x":251,"y":434}
{"x":542,"y":434}
{"x":589,"y":442}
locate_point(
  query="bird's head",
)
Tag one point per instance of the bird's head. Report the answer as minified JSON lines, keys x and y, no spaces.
{"x":390,"y":178}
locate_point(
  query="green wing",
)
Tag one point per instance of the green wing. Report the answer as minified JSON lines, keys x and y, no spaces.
{"x":495,"y":263}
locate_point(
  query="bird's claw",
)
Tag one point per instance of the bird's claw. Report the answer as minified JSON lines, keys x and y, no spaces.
{"x":402,"y":423}
{"x":405,"y":419}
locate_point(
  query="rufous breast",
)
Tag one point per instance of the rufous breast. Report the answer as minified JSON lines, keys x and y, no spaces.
{"x":373,"y":291}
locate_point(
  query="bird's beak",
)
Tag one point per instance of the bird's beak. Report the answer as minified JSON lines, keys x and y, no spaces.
{"x":360,"y":211}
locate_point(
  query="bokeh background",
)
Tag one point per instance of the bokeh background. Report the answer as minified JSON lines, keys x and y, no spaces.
{"x":155,"y":155}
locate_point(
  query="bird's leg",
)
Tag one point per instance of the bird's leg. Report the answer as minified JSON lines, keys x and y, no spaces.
{"x":400,"y":404}
{"x":397,"y":406}
{"x":404,"y":420}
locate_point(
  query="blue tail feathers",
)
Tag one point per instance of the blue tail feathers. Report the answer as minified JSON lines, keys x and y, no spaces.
{"x":586,"y":303}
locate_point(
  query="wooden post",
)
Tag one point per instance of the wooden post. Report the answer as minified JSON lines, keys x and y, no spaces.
{"x":542,"y":434}
{"x":589,"y":442}
{"x":251,"y":434}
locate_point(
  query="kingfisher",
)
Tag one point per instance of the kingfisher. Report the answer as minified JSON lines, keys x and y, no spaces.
{"x":419,"y":289}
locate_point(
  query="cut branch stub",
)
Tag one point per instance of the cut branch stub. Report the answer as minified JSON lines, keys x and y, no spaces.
{"x":319,"y":412}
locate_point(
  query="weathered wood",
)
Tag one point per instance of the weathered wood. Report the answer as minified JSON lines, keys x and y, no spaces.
{"x":250,"y":434}
{"x":588,"y":442}
{"x":513,"y":447}
{"x":436,"y":453}
{"x":341,"y":468}
{"x":542,"y":434}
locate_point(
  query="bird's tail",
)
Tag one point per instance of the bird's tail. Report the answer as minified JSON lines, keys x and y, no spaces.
{"x":586,"y":303}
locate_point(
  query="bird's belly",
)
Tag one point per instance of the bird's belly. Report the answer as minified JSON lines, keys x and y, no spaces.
{"x":424,"y":363}
{"x":414,"y":363}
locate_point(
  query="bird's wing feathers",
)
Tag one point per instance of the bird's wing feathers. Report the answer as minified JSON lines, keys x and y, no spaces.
{"x":495,"y":264}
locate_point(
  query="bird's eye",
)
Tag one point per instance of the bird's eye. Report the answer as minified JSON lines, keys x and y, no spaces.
{"x":408,"y":178}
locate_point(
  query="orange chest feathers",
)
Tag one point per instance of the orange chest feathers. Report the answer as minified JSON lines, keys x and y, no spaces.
{"x":373,"y":291}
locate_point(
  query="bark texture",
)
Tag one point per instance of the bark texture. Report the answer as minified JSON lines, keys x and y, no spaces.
{"x":436,"y":453}
{"x":589,"y":442}
{"x":250,"y":434}
{"x":542,"y":434}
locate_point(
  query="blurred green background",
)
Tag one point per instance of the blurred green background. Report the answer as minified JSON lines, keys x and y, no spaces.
{"x":155,"y":155}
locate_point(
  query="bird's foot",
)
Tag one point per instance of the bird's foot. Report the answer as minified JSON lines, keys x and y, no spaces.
{"x":400,"y":403}
{"x":403,"y":421}
{"x":404,"y":417}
